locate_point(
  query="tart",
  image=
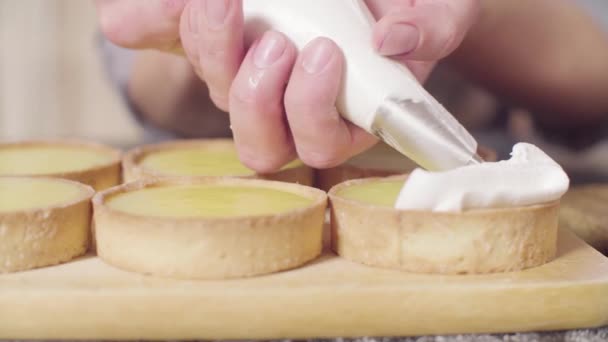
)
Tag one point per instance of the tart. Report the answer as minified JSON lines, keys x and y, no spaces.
{"x":89,"y":163}
{"x":209,"y":228}
{"x":583,"y":211}
{"x":379,"y":161}
{"x":43,"y":221}
{"x":202,"y":158}
{"x":366,"y":228}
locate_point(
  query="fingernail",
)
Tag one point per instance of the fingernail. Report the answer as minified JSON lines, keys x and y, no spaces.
{"x":269,"y":49}
{"x":216,"y":12}
{"x":193,"y":17}
{"x":317,"y":55}
{"x":400,"y":39}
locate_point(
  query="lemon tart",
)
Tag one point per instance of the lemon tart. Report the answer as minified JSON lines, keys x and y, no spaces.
{"x":202,"y":158}
{"x":583,"y":211}
{"x":366,"y":228}
{"x":209,"y":228}
{"x":379,"y":161}
{"x":89,"y":163}
{"x":43,"y":221}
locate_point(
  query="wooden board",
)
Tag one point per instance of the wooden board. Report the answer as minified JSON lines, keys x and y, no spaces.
{"x":87,"y":299}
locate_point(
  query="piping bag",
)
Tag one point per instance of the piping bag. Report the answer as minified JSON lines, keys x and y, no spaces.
{"x":377,"y":93}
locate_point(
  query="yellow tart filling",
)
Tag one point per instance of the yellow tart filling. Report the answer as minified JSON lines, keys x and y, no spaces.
{"x":207,"y":201}
{"x":382,"y":192}
{"x":18,"y":194}
{"x":40,"y":159}
{"x":197,"y":161}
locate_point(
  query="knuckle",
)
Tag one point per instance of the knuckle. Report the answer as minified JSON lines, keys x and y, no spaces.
{"x":262,"y":162}
{"x":254,"y":101}
{"x":450,"y":42}
{"x":452,"y":32}
{"x":220,"y":100}
{"x":457,"y":21}
{"x":243,"y":98}
{"x":215,"y":50}
{"x":124,"y":25}
{"x":113,"y":27}
{"x":323,"y":159}
{"x":198,"y":73}
{"x":216,"y":45}
{"x":119,"y":29}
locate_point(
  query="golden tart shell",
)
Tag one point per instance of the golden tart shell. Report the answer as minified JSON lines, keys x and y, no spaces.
{"x":210,"y":247}
{"x":471,"y":242}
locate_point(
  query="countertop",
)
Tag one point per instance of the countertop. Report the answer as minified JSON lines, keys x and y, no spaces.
{"x":587,"y":335}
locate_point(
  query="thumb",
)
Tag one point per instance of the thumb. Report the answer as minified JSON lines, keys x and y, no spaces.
{"x":424,"y":31}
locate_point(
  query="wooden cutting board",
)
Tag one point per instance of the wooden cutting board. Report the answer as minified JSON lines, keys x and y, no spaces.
{"x":87,"y":299}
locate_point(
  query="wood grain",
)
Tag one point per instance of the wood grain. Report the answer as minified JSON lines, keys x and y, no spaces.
{"x":329,"y":297}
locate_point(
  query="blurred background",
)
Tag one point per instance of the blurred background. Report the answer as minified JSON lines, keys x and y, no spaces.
{"x":52,"y":83}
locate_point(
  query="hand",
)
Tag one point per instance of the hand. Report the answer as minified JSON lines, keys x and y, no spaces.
{"x":141,"y":24}
{"x":282,"y":103}
{"x":421,"y":32}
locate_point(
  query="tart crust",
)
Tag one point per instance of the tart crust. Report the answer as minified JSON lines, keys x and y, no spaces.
{"x":210,"y":248}
{"x":99,"y":177}
{"x":133,"y":170}
{"x":473,"y":242}
{"x":379,"y":161}
{"x":45,"y":236}
{"x":583,"y":211}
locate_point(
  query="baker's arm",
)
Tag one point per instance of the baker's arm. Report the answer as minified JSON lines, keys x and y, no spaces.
{"x":168,"y":94}
{"x":548,"y":56}
{"x":162,"y":93}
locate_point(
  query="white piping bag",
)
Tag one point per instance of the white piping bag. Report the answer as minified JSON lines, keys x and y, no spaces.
{"x":377,"y":94}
